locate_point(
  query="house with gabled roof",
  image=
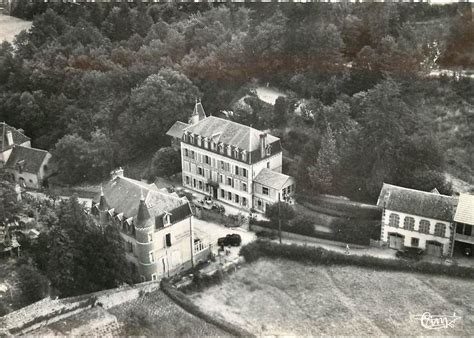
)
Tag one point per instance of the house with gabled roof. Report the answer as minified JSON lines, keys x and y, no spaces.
{"x":419,"y":219}
{"x":26,"y":165}
{"x":156,"y":226}
{"x":464,"y":221}
{"x":222,"y":158}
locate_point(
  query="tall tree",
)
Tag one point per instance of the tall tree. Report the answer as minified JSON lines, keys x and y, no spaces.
{"x":322,"y":174}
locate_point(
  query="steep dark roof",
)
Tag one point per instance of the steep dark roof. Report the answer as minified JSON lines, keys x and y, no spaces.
{"x":18,"y":136}
{"x":124,"y":194}
{"x":176,"y":129}
{"x":30,"y":159}
{"x":230,"y":133}
{"x":178,"y":214}
{"x":199,"y":111}
{"x":416,"y":202}
{"x":272,"y":179}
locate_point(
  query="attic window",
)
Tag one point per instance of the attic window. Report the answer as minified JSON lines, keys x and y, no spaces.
{"x":166,"y":219}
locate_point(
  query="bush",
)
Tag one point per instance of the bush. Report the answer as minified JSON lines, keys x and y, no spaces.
{"x":34,"y":286}
{"x":316,"y":255}
{"x":339,"y":207}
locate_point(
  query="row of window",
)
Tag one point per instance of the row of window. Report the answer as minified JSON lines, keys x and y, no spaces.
{"x":218,"y":164}
{"x":225,"y":180}
{"x":220,"y":147}
{"x":423,"y":226}
{"x":227,"y":195}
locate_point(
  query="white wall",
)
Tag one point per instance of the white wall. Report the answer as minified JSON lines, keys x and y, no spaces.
{"x":386,"y":228}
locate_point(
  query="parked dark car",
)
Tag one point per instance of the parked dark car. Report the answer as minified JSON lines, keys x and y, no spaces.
{"x":410,"y":253}
{"x":229,"y":240}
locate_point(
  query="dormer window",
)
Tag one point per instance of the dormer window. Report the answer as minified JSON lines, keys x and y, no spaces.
{"x":167,"y":219}
{"x":191,"y":139}
{"x":185,"y":136}
{"x":221,"y":148}
{"x":229,"y":151}
{"x":199,"y":139}
{"x":268,"y":150}
{"x":213,"y":145}
{"x":206,"y":143}
{"x":244,"y":155}
{"x":236,"y":152}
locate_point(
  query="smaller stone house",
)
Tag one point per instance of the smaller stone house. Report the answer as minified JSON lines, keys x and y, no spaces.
{"x":413,"y":218}
{"x":156,"y":226}
{"x":270,"y":186}
{"x":26,"y":165}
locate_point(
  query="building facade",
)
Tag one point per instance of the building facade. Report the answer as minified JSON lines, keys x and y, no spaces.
{"x":26,"y":165}
{"x":464,"y":221}
{"x":156,"y":226}
{"x":413,"y":218}
{"x":221,"y":159}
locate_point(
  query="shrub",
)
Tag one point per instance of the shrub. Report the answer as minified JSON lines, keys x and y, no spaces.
{"x":339,"y":207}
{"x":34,"y":286}
{"x":316,"y":255}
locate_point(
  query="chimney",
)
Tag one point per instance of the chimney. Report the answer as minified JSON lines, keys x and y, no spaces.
{"x":142,"y":214}
{"x":117,"y":173}
{"x":9,"y":138}
{"x":263,"y":144}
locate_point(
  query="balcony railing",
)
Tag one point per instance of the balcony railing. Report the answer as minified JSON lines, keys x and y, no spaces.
{"x":464,"y":238}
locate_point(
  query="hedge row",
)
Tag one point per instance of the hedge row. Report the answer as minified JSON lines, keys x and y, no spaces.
{"x":347,"y":231}
{"x":340,"y":207}
{"x":319,"y":256}
{"x":180,"y":298}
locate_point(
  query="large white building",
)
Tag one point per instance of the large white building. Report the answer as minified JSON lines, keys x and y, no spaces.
{"x":413,"y":218}
{"x":231,"y":162}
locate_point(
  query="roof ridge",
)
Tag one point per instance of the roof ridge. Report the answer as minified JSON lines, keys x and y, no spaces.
{"x":30,"y":148}
{"x":416,"y":190}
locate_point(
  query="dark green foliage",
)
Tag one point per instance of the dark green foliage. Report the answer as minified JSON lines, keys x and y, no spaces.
{"x":78,"y":256}
{"x":132,"y":70}
{"x":286,"y":213}
{"x":9,"y":205}
{"x":34,"y":285}
{"x":319,"y":256}
{"x":165,"y":162}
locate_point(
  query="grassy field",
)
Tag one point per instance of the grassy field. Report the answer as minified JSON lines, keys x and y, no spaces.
{"x":288,"y":298}
{"x":10,"y":26}
{"x":155,"y":314}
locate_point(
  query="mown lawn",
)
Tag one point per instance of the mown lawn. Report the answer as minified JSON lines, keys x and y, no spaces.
{"x":10,"y":27}
{"x":154,"y":314}
{"x":287,"y":298}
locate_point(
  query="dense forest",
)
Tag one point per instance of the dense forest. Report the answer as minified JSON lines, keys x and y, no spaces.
{"x":100,"y":84}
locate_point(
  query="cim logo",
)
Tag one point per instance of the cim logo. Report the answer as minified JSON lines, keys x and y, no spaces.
{"x":437,"y":322}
